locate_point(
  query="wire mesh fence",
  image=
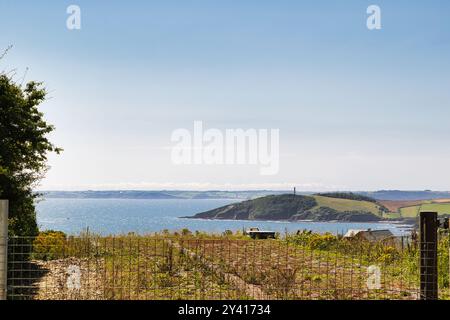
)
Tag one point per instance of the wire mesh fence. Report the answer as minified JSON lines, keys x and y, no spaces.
{"x":154,"y":267}
{"x":429,"y":270}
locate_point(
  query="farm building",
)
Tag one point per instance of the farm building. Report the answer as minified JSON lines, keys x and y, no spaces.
{"x":369,"y":235}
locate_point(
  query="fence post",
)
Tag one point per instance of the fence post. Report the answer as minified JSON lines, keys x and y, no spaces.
{"x":428,"y":256}
{"x":3,"y":248}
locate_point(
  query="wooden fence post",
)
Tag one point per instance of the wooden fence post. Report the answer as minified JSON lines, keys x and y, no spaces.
{"x":3,"y":248}
{"x":428,"y":256}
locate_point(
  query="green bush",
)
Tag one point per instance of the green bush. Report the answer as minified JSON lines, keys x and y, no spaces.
{"x":49,"y":245}
{"x":314,"y":240}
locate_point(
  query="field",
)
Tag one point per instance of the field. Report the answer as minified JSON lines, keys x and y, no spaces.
{"x":410,"y":212}
{"x":131,"y":267}
{"x":412,"y":208}
{"x":347,"y":205}
{"x":396,"y":205}
{"x":440,"y":208}
{"x":413,"y":211}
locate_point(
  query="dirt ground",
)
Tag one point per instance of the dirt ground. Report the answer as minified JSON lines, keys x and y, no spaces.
{"x":69,"y":279}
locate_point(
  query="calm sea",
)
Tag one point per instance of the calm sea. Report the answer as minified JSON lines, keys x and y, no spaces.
{"x":118,"y":216}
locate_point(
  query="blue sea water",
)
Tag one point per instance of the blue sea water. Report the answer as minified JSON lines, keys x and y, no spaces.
{"x":119,"y":216}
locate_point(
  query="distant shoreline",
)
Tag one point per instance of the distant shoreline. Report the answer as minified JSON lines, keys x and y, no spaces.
{"x":396,"y":195}
{"x":396,"y":222}
{"x":182,"y":199}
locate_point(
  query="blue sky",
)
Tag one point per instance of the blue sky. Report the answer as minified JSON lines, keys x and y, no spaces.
{"x":357,"y":109}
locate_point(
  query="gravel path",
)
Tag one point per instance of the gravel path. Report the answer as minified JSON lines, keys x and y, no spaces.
{"x":70,"y":279}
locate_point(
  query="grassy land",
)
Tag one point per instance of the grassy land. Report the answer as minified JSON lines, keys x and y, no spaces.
{"x":410,"y":212}
{"x":440,"y":208}
{"x":413,"y":211}
{"x":412,"y":208}
{"x":347,"y":205}
{"x":399,"y":209}
{"x":186,"y":266}
{"x":392,"y":215}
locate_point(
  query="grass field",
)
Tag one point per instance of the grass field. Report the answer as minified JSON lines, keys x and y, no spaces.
{"x":396,"y":205}
{"x":392,"y":215}
{"x":410,"y":212}
{"x":440,"y":208}
{"x":398,"y":209}
{"x":347,"y":205}
{"x":412,"y":208}
{"x":413,"y":211}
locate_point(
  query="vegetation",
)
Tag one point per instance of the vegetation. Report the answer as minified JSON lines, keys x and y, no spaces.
{"x":347,"y":195}
{"x":194,"y":265}
{"x":412,"y":208}
{"x":329,"y":214}
{"x":341,"y":204}
{"x":266,"y":208}
{"x":410,"y":212}
{"x":49,"y":245}
{"x":24,"y":147}
{"x":337,"y":206}
{"x":379,"y":207}
{"x":297,"y":207}
{"x":413,"y":211}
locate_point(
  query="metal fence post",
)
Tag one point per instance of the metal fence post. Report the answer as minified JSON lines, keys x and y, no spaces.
{"x":3,"y":248}
{"x":428,"y":256}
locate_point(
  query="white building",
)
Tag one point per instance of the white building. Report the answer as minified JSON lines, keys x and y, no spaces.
{"x":369,"y":235}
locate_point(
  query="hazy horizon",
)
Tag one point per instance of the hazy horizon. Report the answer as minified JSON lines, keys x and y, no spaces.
{"x":232,"y":190}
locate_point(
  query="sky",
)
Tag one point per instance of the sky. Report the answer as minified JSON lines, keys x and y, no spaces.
{"x":356,"y":109}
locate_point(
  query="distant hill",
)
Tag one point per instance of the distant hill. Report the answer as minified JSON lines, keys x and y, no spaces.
{"x":406,"y":195}
{"x":217,"y":194}
{"x":244,"y":195}
{"x":298,"y":207}
{"x":108,"y":195}
{"x":163,"y":194}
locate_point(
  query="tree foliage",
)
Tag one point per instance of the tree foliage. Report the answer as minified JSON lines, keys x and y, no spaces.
{"x":24,"y":147}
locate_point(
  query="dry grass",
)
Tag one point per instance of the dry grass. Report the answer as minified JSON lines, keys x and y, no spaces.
{"x":185,"y":267}
{"x":283,"y":271}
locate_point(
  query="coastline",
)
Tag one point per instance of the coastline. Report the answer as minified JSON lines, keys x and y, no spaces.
{"x":395,"y":222}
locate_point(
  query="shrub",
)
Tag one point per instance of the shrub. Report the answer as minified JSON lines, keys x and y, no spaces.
{"x":323,"y":242}
{"x":388,"y":254}
{"x":228,"y":233}
{"x":186,"y":232}
{"x":49,"y":245}
{"x":312,"y":240}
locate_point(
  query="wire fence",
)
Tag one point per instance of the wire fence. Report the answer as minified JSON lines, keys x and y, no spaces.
{"x":153,"y":267}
